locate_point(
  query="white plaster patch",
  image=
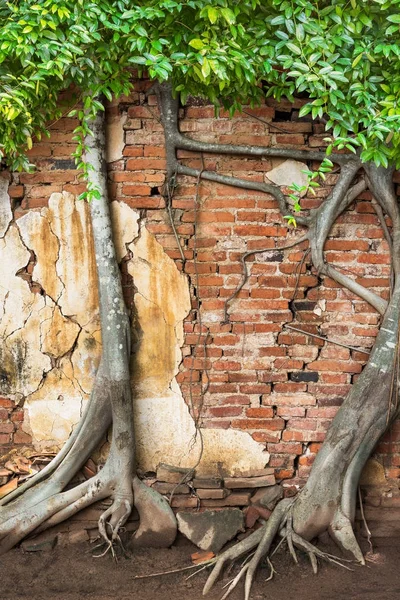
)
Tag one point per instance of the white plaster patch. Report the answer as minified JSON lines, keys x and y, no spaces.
{"x":115,"y":135}
{"x":125,"y":227}
{"x":5,"y":206}
{"x":37,"y":236}
{"x":165,"y":433}
{"x":287,"y":173}
{"x":53,"y":410}
{"x":70,"y":221}
{"x":65,"y":264}
{"x":162,"y":302}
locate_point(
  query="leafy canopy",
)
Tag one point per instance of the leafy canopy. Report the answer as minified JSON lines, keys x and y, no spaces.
{"x":343,"y":55}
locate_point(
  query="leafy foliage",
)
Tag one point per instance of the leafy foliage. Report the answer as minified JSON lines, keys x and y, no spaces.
{"x":343,"y":55}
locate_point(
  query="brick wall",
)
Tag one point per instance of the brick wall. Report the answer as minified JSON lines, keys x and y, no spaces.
{"x":281,"y":386}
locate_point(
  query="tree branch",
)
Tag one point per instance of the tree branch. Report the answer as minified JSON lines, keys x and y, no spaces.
{"x":245,"y":274}
{"x":381,"y":185}
{"x":245,"y":184}
{"x":185,"y":143}
{"x":169,"y":110}
{"x":320,"y":221}
{"x":323,"y":220}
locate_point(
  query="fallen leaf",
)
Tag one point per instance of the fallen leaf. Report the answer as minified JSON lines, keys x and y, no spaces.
{"x":200,"y":557}
{"x":4,"y":472}
{"x":19,"y":465}
{"x":8,"y":487}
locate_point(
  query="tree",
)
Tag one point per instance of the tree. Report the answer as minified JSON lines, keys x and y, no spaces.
{"x":344,"y":57}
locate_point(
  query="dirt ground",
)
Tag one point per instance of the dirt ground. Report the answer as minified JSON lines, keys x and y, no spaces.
{"x":72,"y":573}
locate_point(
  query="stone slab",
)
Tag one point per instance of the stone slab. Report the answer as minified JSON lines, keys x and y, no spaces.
{"x":171,"y":474}
{"x":212,"y":493}
{"x":211,"y":530}
{"x":211,"y":482}
{"x":249,"y":482}
{"x":268,"y":498}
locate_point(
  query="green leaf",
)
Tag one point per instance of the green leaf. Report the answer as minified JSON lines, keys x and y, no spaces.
{"x":212,"y":13}
{"x":196,"y":43}
{"x":305,"y":110}
{"x":394,"y":18}
{"x":293,"y":48}
{"x":141,"y":31}
{"x":139,"y":60}
{"x":357,"y":60}
{"x":205,"y":68}
{"x":228,"y":15}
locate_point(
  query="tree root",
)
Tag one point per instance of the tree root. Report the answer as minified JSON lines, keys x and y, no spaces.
{"x":342,"y":532}
{"x":280,"y":522}
{"x":157,"y":520}
{"x":114,"y":518}
{"x":20,"y":525}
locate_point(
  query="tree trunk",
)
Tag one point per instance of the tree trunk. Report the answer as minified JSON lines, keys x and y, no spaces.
{"x":43,"y":503}
{"x":329,"y":496}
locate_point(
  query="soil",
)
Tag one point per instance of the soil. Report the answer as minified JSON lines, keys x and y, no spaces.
{"x":72,"y":573}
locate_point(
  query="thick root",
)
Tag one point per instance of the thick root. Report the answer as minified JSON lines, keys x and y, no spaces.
{"x":112,"y":521}
{"x":232,"y":554}
{"x":19,"y":526}
{"x":342,"y":532}
{"x":280,"y":522}
{"x":262,"y":539}
{"x":158,"y":525}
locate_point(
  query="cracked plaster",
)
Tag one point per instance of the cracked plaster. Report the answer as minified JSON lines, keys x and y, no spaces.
{"x":5,"y":206}
{"x":288,"y":172}
{"x":56,"y":336}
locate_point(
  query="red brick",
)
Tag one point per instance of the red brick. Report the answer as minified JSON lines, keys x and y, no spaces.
{"x":285,"y":448}
{"x":16,"y":191}
{"x":6,"y":402}
{"x":302,"y":436}
{"x":227,"y":365}
{"x":265,"y":437}
{"x":40,"y":150}
{"x":236,"y":399}
{"x":225,"y":411}
{"x":6,"y":427}
{"x":144,"y":202}
{"x":20,"y":437}
{"x":140,"y":164}
{"x":136,"y":190}
{"x":256,"y":230}
{"x":261,"y":412}
{"x":274,"y":424}
{"x":335,"y":365}
{"x":289,"y":139}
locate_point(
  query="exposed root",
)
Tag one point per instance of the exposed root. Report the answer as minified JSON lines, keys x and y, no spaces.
{"x":280,"y":522}
{"x":273,"y":571}
{"x":231,"y":554}
{"x":19,"y":526}
{"x":206,"y":564}
{"x":367,"y":529}
{"x":342,"y":532}
{"x":233,"y":583}
{"x":314,"y":562}
{"x":262,"y":539}
{"x":113,"y":519}
{"x":289,"y":536}
{"x":313,"y":552}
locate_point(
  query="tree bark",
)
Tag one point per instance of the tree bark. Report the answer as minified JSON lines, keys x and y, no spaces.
{"x":43,"y":502}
